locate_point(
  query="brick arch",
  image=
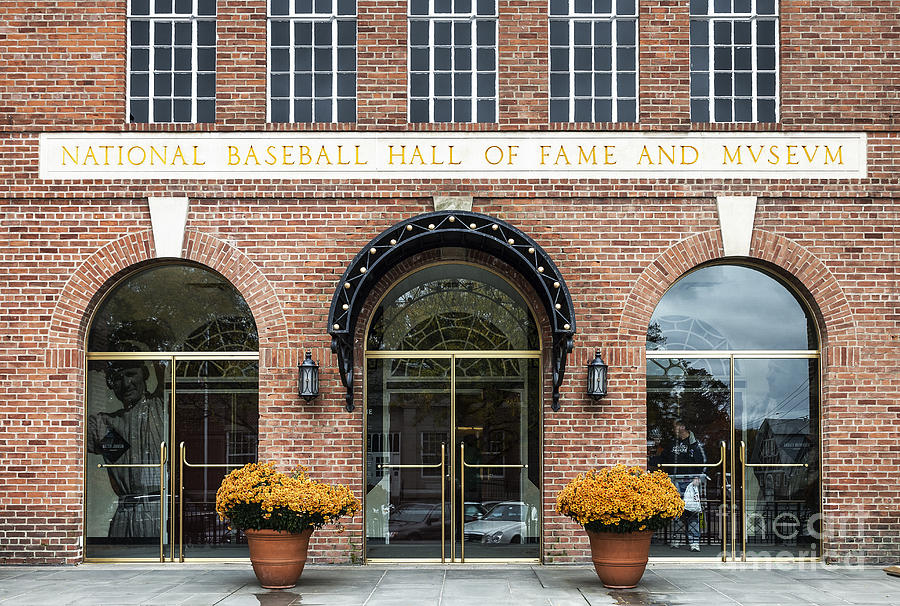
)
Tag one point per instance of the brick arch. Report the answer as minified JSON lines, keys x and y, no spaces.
{"x":824,"y":294}
{"x":80,"y":295}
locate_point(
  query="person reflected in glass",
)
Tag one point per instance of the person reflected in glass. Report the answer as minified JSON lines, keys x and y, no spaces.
{"x":691,"y":516}
{"x":684,"y":459}
{"x":131,"y":436}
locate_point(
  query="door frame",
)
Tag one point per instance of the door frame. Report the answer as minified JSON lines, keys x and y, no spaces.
{"x":174,"y":455}
{"x":452,"y":448}
{"x":735,"y":550}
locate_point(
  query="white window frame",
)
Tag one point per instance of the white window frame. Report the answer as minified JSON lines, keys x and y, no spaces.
{"x":315,"y":17}
{"x":613,"y":18}
{"x":473,"y":18}
{"x":172,"y":18}
{"x":754,"y":18}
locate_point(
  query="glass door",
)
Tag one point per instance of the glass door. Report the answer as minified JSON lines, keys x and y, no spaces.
{"x":740,"y":433}
{"x":452,"y":457}
{"x":216,"y":428}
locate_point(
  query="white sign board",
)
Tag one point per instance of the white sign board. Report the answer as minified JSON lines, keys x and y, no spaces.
{"x":367,"y":155}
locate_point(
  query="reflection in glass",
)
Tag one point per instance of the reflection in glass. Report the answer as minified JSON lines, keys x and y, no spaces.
{"x":688,"y":415}
{"x":127,"y":419}
{"x":776,"y":416}
{"x":217,"y":418}
{"x":149,"y":311}
{"x":452,"y":307}
{"x":722,"y":307}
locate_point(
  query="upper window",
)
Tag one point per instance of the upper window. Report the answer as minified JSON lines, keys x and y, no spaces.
{"x":734,"y":60}
{"x":147,"y":313}
{"x":453,"y":307}
{"x":452,"y":61}
{"x":593,"y":60}
{"x":312,"y":61}
{"x":731,"y":307}
{"x":172,"y":60}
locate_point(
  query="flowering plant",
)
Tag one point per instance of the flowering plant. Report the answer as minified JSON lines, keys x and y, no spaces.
{"x":259,"y":497}
{"x":620,"y":499}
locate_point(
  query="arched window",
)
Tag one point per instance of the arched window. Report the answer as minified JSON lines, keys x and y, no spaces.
{"x":733,"y":406}
{"x":172,"y":389}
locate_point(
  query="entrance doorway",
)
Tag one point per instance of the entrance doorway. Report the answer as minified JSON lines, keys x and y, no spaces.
{"x":172,"y":406}
{"x":733,"y":409}
{"x":453,"y":420}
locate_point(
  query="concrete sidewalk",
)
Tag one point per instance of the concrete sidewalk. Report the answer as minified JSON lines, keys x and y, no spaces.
{"x":476,"y":585}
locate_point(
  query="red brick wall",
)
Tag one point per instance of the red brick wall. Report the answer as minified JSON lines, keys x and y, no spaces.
{"x":284,"y":244}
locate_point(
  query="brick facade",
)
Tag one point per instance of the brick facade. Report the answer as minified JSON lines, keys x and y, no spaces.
{"x":619,"y":243}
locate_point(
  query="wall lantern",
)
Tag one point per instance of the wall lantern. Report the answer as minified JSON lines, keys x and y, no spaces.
{"x":309,"y":378}
{"x":596,"y":377}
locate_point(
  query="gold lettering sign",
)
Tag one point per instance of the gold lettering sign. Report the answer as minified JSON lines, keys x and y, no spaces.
{"x":367,"y":155}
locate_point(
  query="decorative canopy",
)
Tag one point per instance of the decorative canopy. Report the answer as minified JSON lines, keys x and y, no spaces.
{"x":461,"y":229}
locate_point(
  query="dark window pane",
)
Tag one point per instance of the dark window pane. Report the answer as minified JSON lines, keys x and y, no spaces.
{"x":163,"y":6}
{"x":280,"y":33}
{"x":626,"y":59}
{"x":742,"y":32}
{"x":206,"y":110}
{"x":486,"y":60}
{"x":162,"y":110}
{"x":346,"y":110}
{"x":418,"y":110}
{"x":140,"y":60}
{"x":442,"y":84}
{"x":303,"y":110}
{"x":582,"y":34}
{"x":162,"y":33}
{"x":462,"y":85}
{"x":559,"y":111}
{"x":765,"y":111}
{"x":603,"y":110}
{"x":303,"y":85}
{"x":140,"y":85}
{"x":743,"y":110}
{"x":280,"y":60}
{"x":206,"y":33}
{"x":743,"y":58}
{"x":625,"y":7}
{"x":346,"y":33}
{"x":418,"y":7}
{"x":462,"y":33}
{"x":722,"y":85}
{"x":140,"y":33}
{"x":346,"y":59}
{"x":765,"y":34}
{"x":418,"y":33}
{"x":487,"y":85}
{"x":462,"y":110}
{"x":583,"y":6}
{"x":559,"y":33}
{"x":442,"y":58}
{"x":322,"y":59}
{"x":486,"y":111}
{"x":322,"y":84}
{"x":442,"y":33}
{"x":559,"y":85}
{"x":742,"y":6}
{"x":765,"y":58}
{"x":280,"y":85}
{"x":699,"y":7}
{"x":743,"y":84}
{"x":139,"y":110}
{"x":486,"y":7}
{"x":559,"y":7}
{"x":443,"y":110}
{"x":627,"y":109}
{"x":583,"y":84}
{"x":279,"y":7}
{"x":765,"y":85}
{"x":303,"y":59}
{"x":722,"y":32}
{"x":322,"y":34}
{"x":765,"y":7}
{"x":323,"y":110}
{"x":347,"y":7}
{"x":559,"y":59}
{"x":485,"y":33}
{"x":462,"y":6}
{"x":206,"y":85}
{"x":699,"y":32}
{"x":602,"y":33}
{"x":699,"y":58}
{"x":603,"y":58}
{"x":723,"y":110}
{"x":603,"y":7}
{"x":206,"y":59}
{"x":583,"y":110}
{"x":699,"y":84}
{"x":699,"y":110}
{"x":443,"y":6}
{"x":722,"y":6}
{"x":462,"y":59}
{"x":183,"y":59}
{"x":162,"y":85}
{"x":418,"y":85}
{"x":303,"y":34}
{"x":183,"y":85}
{"x":625,"y":32}
{"x":582,"y":59}
{"x":418,"y":60}
{"x":183,"y":34}
{"x":626,"y":83}
{"x":182,"y":110}
{"x":140,"y":7}
{"x":323,"y":6}
{"x":346,"y":85}
{"x":722,"y":58}
{"x":206,"y":8}
{"x":603,"y":86}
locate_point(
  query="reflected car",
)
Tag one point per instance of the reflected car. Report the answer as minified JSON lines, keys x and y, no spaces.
{"x":504,"y":523}
{"x":474,"y":511}
{"x":416,"y":521}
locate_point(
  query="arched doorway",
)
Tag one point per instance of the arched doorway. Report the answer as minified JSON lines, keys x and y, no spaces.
{"x":452,"y":393}
{"x":733,"y":414}
{"x":171,"y":406}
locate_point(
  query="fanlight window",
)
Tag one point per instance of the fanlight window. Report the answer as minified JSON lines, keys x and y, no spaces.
{"x":730,"y":307}
{"x":453,"y":307}
{"x":174,"y":308}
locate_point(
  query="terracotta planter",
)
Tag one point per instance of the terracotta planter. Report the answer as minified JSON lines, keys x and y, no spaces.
{"x":620,"y":559}
{"x":278,"y":557}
